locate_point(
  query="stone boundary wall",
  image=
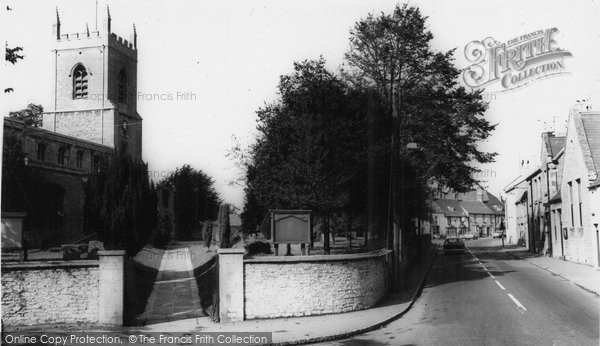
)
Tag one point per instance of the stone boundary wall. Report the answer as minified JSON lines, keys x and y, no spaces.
{"x":50,"y":292}
{"x":313,"y":285}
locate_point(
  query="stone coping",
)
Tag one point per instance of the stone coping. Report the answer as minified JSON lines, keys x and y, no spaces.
{"x":33,"y":265}
{"x":230,"y":251}
{"x":13,"y":215}
{"x":111,"y":253}
{"x":318,"y":258}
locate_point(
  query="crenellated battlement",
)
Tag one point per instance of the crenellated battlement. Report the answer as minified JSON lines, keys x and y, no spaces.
{"x":80,"y":36}
{"x":105,"y":34}
{"x":116,"y":39}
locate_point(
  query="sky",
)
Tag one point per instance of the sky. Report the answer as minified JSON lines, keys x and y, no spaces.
{"x":229,"y":56}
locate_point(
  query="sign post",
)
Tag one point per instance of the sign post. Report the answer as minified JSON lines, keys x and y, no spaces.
{"x":291,"y":227}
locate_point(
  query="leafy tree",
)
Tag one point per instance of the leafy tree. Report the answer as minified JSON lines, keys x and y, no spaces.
{"x":391,"y":53}
{"x":31,"y":116}
{"x":306,"y":155}
{"x":121,"y":203}
{"x":195,"y":198}
{"x":424,"y":104}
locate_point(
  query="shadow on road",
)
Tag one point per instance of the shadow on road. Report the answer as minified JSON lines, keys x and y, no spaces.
{"x":459,"y":267}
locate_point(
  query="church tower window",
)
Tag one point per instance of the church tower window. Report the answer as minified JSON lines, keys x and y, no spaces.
{"x":80,"y":82}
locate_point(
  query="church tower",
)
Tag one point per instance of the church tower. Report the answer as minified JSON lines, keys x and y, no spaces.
{"x":94,"y":93}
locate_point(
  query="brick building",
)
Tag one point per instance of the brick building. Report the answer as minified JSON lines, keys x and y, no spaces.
{"x":93,"y":112}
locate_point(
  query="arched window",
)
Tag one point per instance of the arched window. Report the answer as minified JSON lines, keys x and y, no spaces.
{"x":96,"y":163}
{"x":62,"y":156}
{"x":80,"y":82}
{"x":79,"y":159}
{"x":122,"y":86}
{"x":41,"y":151}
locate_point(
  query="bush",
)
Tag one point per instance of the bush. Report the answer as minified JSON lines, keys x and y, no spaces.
{"x":258,"y":247}
{"x":161,"y":234}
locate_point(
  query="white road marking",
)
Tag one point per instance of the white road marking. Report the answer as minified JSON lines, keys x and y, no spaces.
{"x":500,"y":285}
{"x":491,"y":275}
{"x":516,"y":301}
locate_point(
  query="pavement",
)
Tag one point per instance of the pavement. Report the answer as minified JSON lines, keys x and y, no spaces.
{"x":491,"y":295}
{"x":488,"y":296}
{"x":584,"y":276}
{"x":303,"y":330}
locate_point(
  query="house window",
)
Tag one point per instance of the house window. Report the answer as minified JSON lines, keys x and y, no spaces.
{"x":435,"y":220}
{"x":41,"y":151}
{"x":571,"y":202}
{"x":62,"y":153}
{"x":79,"y":159}
{"x":579,"y":200}
{"x":80,"y":82}
{"x":122,"y":87}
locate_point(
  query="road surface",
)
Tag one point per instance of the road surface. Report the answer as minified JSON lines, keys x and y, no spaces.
{"x":487,"y":297}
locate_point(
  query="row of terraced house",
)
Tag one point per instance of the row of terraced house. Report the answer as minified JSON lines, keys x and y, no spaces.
{"x":476,"y":212}
{"x":554,"y":207}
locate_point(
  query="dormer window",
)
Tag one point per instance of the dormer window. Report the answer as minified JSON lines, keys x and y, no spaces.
{"x":80,"y":82}
{"x":122,"y":87}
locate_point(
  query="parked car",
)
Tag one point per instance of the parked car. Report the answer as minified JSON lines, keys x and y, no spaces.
{"x":454,"y":245}
{"x":498,"y":234}
{"x":469,"y":236}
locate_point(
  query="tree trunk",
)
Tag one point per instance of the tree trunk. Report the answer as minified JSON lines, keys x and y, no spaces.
{"x":326,"y":232}
{"x":349,"y":230}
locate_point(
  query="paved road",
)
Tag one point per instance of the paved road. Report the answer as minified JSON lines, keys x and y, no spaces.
{"x":487,"y":297}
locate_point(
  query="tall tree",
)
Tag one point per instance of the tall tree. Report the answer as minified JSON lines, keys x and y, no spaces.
{"x":392,"y":54}
{"x":307,"y":151}
{"x":121,"y":203}
{"x":196,"y":199}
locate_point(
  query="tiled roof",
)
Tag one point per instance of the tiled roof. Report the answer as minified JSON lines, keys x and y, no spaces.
{"x":476,"y":207}
{"x":495,"y":204}
{"x":591,"y":126}
{"x":450,"y":207}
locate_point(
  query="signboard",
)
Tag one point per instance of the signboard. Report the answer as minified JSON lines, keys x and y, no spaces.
{"x":290,"y":226}
{"x":12,"y":230}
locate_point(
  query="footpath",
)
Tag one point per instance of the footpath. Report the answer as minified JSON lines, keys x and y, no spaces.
{"x":173,"y":282}
{"x":584,"y":276}
{"x":175,"y":293}
{"x":311,"y":329}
